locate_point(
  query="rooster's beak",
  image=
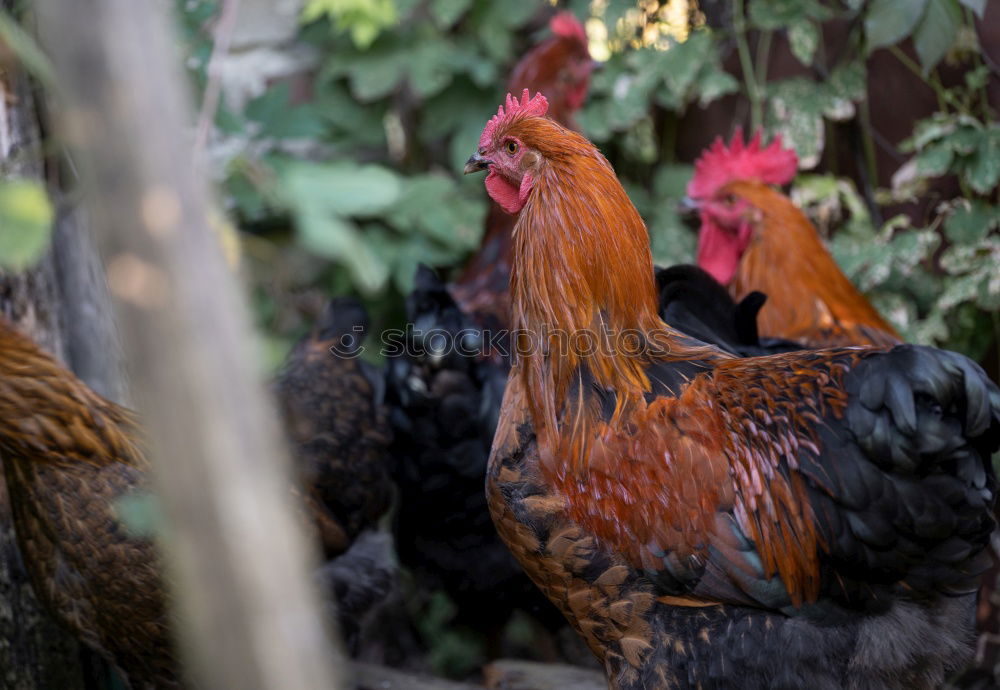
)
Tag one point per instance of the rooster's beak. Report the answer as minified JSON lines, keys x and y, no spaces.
{"x":476,"y":163}
{"x":687,"y":205}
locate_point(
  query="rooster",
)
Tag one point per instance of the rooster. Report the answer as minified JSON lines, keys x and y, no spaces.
{"x":445,"y":405}
{"x":807,"y":519}
{"x":753,"y":237}
{"x":71,"y":457}
{"x":560,"y":68}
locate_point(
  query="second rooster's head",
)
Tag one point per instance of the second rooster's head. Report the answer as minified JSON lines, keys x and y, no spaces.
{"x":558,"y":67}
{"x":513,"y":163}
{"x":727,"y":219}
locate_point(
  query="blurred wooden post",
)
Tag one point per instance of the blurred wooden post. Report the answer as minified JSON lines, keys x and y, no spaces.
{"x":237,"y":558}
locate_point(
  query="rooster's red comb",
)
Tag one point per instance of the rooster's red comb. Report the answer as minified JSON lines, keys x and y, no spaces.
{"x":718,"y":165}
{"x":512,"y":111}
{"x":566,"y":24}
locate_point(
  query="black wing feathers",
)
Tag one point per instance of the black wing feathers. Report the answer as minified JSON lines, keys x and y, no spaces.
{"x":904,"y":487}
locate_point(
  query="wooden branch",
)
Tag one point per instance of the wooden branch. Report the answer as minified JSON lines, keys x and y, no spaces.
{"x":236,"y":555}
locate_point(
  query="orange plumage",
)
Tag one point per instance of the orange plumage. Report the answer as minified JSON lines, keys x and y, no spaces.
{"x":558,"y":67}
{"x":754,"y":238}
{"x":704,"y":520}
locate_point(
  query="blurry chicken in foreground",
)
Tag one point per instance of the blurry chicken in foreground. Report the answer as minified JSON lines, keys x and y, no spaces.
{"x":70,"y":456}
{"x":445,"y":404}
{"x":753,"y":237}
{"x":807,"y":519}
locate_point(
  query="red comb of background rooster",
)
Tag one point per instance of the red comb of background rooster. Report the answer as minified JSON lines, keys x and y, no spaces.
{"x":514,"y":110}
{"x":719,"y":165}
{"x":566,"y":24}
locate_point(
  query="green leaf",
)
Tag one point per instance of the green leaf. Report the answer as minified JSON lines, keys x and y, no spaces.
{"x":25,"y":223}
{"x":280,"y":120}
{"x":715,"y":85}
{"x":671,"y":240}
{"x":361,"y":123}
{"x":346,"y":189}
{"x":593,"y":120}
{"x":970,"y":222}
{"x":681,"y":63}
{"x":363,"y":19}
{"x":375,"y":73}
{"x":936,"y":32}
{"x":927,"y":131}
{"x":671,"y":181}
{"x":984,"y":171}
{"x":890,"y":21}
{"x":966,"y":140}
{"x":431,"y":67}
{"x":977,"y":6}
{"x":772,"y":15}
{"x":336,"y":238}
{"x":795,"y":109}
{"x":432,"y":206}
{"x":447,"y":12}
{"x":935,"y":160}
{"x":803,"y":37}
{"x":848,"y":81}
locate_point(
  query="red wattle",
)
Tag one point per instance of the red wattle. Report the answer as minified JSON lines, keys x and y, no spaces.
{"x":719,"y":251}
{"x":511,"y":199}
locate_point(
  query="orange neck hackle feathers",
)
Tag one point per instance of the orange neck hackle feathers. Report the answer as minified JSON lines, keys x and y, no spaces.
{"x":583,"y":299}
{"x":809,"y":299}
{"x":753,"y":238}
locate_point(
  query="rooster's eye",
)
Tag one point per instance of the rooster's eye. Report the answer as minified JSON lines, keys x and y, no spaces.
{"x":511,"y":147}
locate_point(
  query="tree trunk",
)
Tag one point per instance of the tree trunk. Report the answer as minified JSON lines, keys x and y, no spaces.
{"x":35,"y":652}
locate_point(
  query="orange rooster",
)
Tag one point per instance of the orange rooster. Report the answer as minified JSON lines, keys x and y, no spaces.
{"x":559,"y":68}
{"x":809,"y":519}
{"x":445,"y":405}
{"x":753,"y":238}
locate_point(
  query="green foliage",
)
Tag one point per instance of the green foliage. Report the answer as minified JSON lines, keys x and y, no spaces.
{"x":798,"y":106}
{"x":941,"y":297}
{"x":364,"y":175}
{"x":626,"y":86}
{"x":363,"y":19}
{"x":932,"y":24}
{"x":25,"y":223}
